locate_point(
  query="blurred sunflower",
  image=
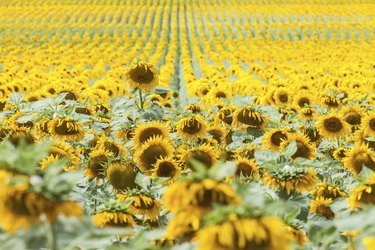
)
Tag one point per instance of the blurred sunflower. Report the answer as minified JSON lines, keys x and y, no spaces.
{"x":143,"y":76}
{"x":273,"y":138}
{"x":225,"y":115}
{"x":145,"y":131}
{"x":121,"y":174}
{"x":359,"y":156}
{"x":264,"y":233}
{"x":353,"y":115}
{"x":321,"y":206}
{"x":183,"y":225}
{"x":247,"y":168}
{"x":369,"y":243}
{"x":142,"y":205}
{"x":303,"y":99}
{"x":327,"y":191}
{"x":194,"y":108}
{"x":217,"y":132}
{"x":41,"y":128}
{"x":307,"y":113}
{"x":191,"y":128}
{"x":369,"y":124}
{"x":247,"y":116}
{"x":66,"y":129}
{"x":114,"y":219}
{"x":298,"y":235}
{"x":95,"y":166}
{"x":332,"y":126}
{"x":363,"y":194}
{"x":204,"y":153}
{"x":166,"y":167}
{"x":361,"y":138}
{"x":59,"y":151}
{"x":154,"y":149}
{"x":16,"y":135}
{"x":305,"y":149}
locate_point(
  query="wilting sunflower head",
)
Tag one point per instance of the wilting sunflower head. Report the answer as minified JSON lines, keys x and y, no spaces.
{"x":191,"y":128}
{"x":369,"y":124}
{"x":194,"y":108}
{"x":327,"y":191}
{"x":249,"y":117}
{"x":121,"y":174}
{"x":264,"y":233}
{"x":107,"y":144}
{"x":218,"y":133}
{"x":332,"y":126}
{"x":60,"y":151}
{"x":274,"y":137}
{"x":363,"y":194}
{"x":225,"y":115}
{"x":166,"y":167}
{"x":66,"y":129}
{"x":154,"y":149}
{"x":143,"y":76}
{"x":144,"y":132}
{"x":41,"y":128}
{"x":307,"y":113}
{"x":330,"y":101}
{"x":305,"y":149}
{"x":96,"y":164}
{"x":204,"y":154}
{"x":311,"y":133}
{"x":142,"y":205}
{"x":247,"y":151}
{"x":298,"y":235}
{"x":16,"y":135}
{"x":352,"y":115}
{"x":247,"y":168}
{"x":321,"y":206}
{"x":114,"y":219}
{"x":358,"y":157}
{"x":362,"y":138}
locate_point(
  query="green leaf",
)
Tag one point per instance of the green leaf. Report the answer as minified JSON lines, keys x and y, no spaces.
{"x":290,"y":150}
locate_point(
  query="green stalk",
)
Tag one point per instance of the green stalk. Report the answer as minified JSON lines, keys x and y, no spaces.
{"x":140,"y":97}
{"x":51,"y":236}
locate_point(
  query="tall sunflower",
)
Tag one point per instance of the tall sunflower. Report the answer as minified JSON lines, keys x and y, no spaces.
{"x":332,"y":126}
{"x":145,"y":131}
{"x":143,"y":76}
{"x":121,"y":174}
{"x":191,"y":128}
{"x":66,"y":129}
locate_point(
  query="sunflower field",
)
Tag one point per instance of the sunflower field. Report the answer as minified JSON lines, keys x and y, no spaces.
{"x":187,"y":124}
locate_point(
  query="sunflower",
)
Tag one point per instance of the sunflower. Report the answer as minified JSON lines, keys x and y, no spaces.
{"x":143,"y":76}
{"x":361,"y":138}
{"x":303,"y":99}
{"x":198,"y":196}
{"x":114,"y":219}
{"x":369,"y":124}
{"x":369,"y":243}
{"x":300,"y":180}
{"x":146,"y":131}
{"x":67,"y":208}
{"x":282,"y":97}
{"x":340,"y":153}
{"x":307,"y":113}
{"x":247,"y":151}
{"x":142,"y":205}
{"x":41,"y":128}
{"x":264,"y":233}
{"x":330,"y":101}
{"x":304,"y":148}
{"x":154,"y":149}
{"x":327,"y":191}
{"x":359,"y":156}
{"x":273,"y":138}
{"x":204,"y":153}
{"x":321,"y":206}
{"x":225,"y":115}
{"x":66,"y":129}
{"x":191,"y":128}
{"x":121,"y":174}
{"x":332,"y":126}
{"x":183,"y":225}
{"x":247,"y":168}
{"x":247,"y":116}
{"x":166,"y":167}
{"x":311,"y":133}
{"x":101,"y":112}
{"x":125,"y":134}
{"x":16,"y":135}
{"x":363,"y":194}
{"x":60,"y":151}
{"x":298,"y":235}
{"x":352,"y":115}
{"x":95,"y":167}
{"x":194,"y":108}
{"x":217,"y":133}
{"x":106,"y":144}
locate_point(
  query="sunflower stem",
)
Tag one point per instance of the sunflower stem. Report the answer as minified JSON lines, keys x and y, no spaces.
{"x":51,"y":236}
{"x":141,"y":99}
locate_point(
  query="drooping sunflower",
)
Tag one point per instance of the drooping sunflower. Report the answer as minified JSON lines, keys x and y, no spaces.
{"x":66,"y":129}
{"x":121,"y":174}
{"x":101,"y":112}
{"x":191,"y":128}
{"x":247,"y":116}
{"x":105,"y":143}
{"x":59,"y":151}
{"x":114,"y":219}
{"x":307,"y":113}
{"x":204,"y":153}
{"x":327,"y":191}
{"x":225,"y":115}
{"x":264,"y":233}
{"x":142,"y":205}
{"x":273,"y":138}
{"x":300,"y":180}
{"x":247,"y":168}
{"x":125,"y":134}
{"x":352,"y":115}
{"x":330,"y":101}
{"x":166,"y":167}
{"x":143,"y":76}
{"x":183,"y":225}
{"x":305,"y":149}
{"x":320,"y":205}
{"x":95,"y":167}
{"x":194,"y":108}
{"x":217,"y":132}
{"x":16,"y":135}
{"x":247,"y":151}
{"x":154,"y":149}
{"x":361,"y":138}
{"x":369,"y":124}
{"x":358,"y":157}
{"x":332,"y":126}
{"x":145,"y":131}
{"x":311,"y":133}
{"x":363,"y":194}
{"x":298,"y":235}
{"x":198,"y":196}
{"x":41,"y":128}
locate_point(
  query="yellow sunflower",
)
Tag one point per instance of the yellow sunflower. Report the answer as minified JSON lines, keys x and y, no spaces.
{"x":154,"y":149}
{"x":332,"y":126}
{"x":363,"y":194}
{"x":264,"y":233}
{"x":107,"y":144}
{"x":358,"y":157}
{"x":217,"y":132}
{"x":121,"y":174}
{"x":95,"y":167}
{"x":247,"y":116}
{"x":59,"y":151}
{"x":305,"y":149}
{"x":41,"y":128}
{"x":204,"y":153}
{"x":352,"y":115}
{"x":247,"y":168}
{"x":66,"y":129}
{"x":145,"y":131}
{"x":142,"y":205}
{"x":300,"y":180}
{"x":183,"y":225}
{"x":327,"y":191}
{"x":369,"y":124}
{"x":166,"y":167}
{"x":361,"y":138}
{"x":298,"y":235}
{"x":303,"y":99}
{"x":16,"y":135}
{"x":369,"y":243}
{"x":225,"y":115}
{"x":194,"y":108}
{"x":340,"y":153}
{"x":282,"y":97}
{"x":273,"y":138}
{"x":191,"y":128}
{"x":307,"y":113}
{"x":330,"y":101}
{"x":143,"y":76}
{"x":321,"y":206}
{"x":114,"y":219}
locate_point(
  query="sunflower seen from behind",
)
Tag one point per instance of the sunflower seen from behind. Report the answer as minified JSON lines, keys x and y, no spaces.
{"x":143,"y":76}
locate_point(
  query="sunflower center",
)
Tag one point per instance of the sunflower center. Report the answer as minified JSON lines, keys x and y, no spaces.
{"x":303,"y":101}
{"x":166,"y":169}
{"x":17,"y":204}
{"x":333,"y":124}
{"x":225,"y":116}
{"x":112,"y":148}
{"x":69,"y":95}
{"x":152,"y":154}
{"x":192,"y":126}
{"x":141,"y":75}
{"x":202,"y":157}
{"x":353,"y":118}
{"x":283,"y":97}
{"x":372,"y":124}
{"x":303,"y":151}
{"x":149,"y":133}
{"x":220,"y":94}
{"x":277,"y":138}
{"x":250,"y":117}
{"x":66,"y":128}
{"x":96,"y":164}
{"x":209,"y":197}
{"x":244,"y":169}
